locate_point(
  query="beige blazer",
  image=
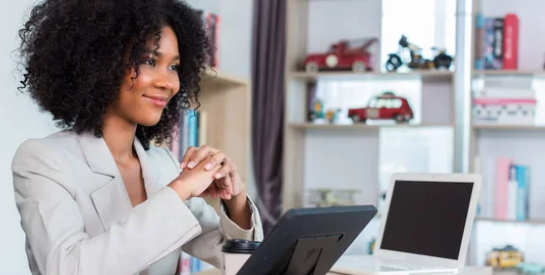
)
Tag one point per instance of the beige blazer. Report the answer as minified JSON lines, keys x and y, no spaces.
{"x":78,"y":217}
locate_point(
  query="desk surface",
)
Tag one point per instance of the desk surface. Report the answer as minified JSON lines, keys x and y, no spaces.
{"x":217,"y":272}
{"x":470,"y":270}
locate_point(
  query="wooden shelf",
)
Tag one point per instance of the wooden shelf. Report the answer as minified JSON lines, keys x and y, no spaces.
{"x":360,"y":126}
{"x":214,"y":77}
{"x":528,"y":222}
{"x":424,"y":75}
{"x":226,"y":100}
{"x":508,"y":72}
{"x":536,"y":222}
{"x":509,"y":127}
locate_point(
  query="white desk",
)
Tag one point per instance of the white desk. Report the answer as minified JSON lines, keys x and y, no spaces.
{"x":217,"y":272}
{"x":470,"y":270}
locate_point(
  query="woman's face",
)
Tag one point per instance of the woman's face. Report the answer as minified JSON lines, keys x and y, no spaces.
{"x":142,"y":100}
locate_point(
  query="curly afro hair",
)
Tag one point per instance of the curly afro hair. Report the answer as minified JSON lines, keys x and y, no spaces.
{"x":75,"y":54}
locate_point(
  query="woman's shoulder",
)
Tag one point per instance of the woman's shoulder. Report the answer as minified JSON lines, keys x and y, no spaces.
{"x":61,"y":141}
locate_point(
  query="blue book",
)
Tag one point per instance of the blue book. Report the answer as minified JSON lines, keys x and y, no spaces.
{"x":193,"y":129}
{"x":195,"y":265}
{"x":479,"y":41}
{"x":184,"y":133}
{"x":523,"y":176}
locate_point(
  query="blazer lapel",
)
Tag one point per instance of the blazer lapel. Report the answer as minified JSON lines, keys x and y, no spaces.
{"x":107,"y":189}
{"x":150,"y":173}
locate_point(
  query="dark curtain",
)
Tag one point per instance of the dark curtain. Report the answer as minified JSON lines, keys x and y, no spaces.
{"x":268,"y":53}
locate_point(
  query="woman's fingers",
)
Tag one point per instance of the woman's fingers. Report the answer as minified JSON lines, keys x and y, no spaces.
{"x":226,"y":187}
{"x":217,"y":159}
{"x":213,"y":191}
{"x":197,"y":156}
{"x":226,"y":169}
{"x":188,"y":153}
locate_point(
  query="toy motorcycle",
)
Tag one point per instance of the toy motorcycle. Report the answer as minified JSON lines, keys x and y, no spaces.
{"x":394,"y":62}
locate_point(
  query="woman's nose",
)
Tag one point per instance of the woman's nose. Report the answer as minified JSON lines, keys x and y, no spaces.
{"x":163,"y":81}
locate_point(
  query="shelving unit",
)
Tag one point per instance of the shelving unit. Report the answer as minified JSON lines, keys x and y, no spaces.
{"x":337,"y":154}
{"x":531,"y":222}
{"x":518,"y":142}
{"x":357,"y":146}
{"x":423,"y":75}
{"x":508,"y":73}
{"x":509,"y":127}
{"x":226,"y":100}
{"x":361,"y":127}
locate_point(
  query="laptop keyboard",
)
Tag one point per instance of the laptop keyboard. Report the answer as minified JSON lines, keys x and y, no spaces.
{"x":400,"y":266}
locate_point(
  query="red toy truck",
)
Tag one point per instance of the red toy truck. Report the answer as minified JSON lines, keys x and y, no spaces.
{"x":341,"y":56}
{"x":385,"y":106}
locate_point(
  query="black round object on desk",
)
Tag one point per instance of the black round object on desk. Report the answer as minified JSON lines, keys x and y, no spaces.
{"x":239,"y":246}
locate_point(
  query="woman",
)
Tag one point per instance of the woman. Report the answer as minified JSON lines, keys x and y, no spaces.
{"x":98,"y":197}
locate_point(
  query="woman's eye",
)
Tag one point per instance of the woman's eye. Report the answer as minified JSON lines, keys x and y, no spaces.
{"x":150,"y":62}
{"x":175,"y":67}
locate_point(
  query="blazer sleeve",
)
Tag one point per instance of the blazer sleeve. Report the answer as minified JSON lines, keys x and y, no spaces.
{"x":217,"y":228}
{"x":54,"y":225}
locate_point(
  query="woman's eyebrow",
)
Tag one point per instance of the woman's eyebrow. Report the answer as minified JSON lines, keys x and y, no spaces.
{"x":159,"y":54}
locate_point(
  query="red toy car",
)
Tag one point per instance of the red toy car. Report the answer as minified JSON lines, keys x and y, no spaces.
{"x":341,"y":56}
{"x":385,"y":106}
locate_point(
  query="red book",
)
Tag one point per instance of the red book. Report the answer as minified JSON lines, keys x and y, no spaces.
{"x":511,"y":42}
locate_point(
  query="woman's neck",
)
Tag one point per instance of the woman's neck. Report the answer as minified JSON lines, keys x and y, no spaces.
{"x":119,"y":134}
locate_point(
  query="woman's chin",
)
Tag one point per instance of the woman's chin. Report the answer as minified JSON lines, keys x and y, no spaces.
{"x":149,"y":121}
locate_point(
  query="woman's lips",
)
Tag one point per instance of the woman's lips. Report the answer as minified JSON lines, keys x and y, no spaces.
{"x":160,"y":101}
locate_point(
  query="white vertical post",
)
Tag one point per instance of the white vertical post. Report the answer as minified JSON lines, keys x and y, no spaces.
{"x":462,"y":86}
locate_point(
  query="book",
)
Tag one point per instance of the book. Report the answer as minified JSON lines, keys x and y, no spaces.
{"x":499,"y":24}
{"x":503,"y":166}
{"x":211,"y":22}
{"x":523,"y":180}
{"x":512,"y":193}
{"x":479,"y":41}
{"x":504,"y":105}
{"x":191,"y":131}
{"x":486,"y":166}
{"x":511,"y":42}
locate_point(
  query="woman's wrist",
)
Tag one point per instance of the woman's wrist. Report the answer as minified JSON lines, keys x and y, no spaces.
{"x":181,"y":189}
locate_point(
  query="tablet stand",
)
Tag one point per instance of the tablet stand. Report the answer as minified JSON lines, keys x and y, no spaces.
{"x":309,"y":255}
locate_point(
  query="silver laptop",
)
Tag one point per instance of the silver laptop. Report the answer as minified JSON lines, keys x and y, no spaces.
{"x":425,"y":228}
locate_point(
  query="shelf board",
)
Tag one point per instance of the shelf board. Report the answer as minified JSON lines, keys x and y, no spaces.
{"x":508,"y":72}
{"x":537,"y":222}
{"x":424,"y":75}
{"x":531,"y":222}
{"x":215,"y":77}
{"x":509,"y":127}
{"x":361,"y":126}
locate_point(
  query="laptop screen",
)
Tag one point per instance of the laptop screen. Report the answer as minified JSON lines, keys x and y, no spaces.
{"x":427,"y":218}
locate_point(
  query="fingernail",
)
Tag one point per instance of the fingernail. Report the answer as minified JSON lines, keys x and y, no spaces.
{"x":217,"y":176}
{"x":191,"y":164}
{"x":208,"y":166}
{"x":183,"y":165}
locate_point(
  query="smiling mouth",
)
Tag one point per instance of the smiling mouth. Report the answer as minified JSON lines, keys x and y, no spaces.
{"x":157,"y":100}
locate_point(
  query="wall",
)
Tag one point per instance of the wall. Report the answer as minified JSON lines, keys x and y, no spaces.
{"x":20,"y":120}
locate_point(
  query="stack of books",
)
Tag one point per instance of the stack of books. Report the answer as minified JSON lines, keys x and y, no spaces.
{"x":496,"y":43}
{"x":190,"y":132}
{"x":505,"y":190}
{"x":504,"y":106}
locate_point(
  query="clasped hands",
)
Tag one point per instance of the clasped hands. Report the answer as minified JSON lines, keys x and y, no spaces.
{"x":207,"y":171}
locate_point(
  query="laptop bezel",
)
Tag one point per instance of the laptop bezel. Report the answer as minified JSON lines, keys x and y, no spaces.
{"x":423,"y":259}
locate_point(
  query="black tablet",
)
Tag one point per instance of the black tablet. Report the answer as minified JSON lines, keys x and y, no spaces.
{"x":308,"y":241}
